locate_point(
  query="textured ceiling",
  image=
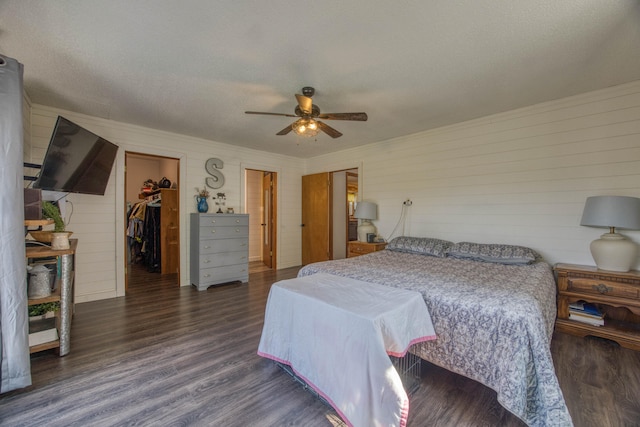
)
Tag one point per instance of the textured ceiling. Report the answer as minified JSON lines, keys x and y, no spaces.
{"x":194,"y":66}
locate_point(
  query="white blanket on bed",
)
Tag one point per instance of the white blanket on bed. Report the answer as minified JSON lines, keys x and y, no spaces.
{"x":336,"y":333}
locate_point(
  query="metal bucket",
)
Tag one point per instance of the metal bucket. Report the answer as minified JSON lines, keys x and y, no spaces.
{"x":39,"y":282}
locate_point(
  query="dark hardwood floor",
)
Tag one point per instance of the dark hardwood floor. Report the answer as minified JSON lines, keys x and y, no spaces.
{"x":166,"y":355}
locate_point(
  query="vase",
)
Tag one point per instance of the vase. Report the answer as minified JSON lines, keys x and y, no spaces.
{"x":203,"y":206}
{"x":60,"y":240}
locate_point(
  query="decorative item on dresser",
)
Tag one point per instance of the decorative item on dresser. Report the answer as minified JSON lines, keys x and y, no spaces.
{"x":361,"y":248}
{"x":201,"y":200}
{"x":219,"y":249}
{"x":615,"y":294}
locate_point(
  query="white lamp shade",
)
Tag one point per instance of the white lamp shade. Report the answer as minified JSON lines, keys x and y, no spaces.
{"x":366,"y":210}
{"x":612,"y":251}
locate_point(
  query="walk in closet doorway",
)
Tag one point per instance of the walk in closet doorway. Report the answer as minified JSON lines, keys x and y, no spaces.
{"x":152,"y":218}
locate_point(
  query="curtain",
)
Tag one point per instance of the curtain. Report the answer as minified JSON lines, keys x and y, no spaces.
{"x":14,"y":328}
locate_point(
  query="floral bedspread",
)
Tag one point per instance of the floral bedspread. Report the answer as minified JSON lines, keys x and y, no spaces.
{"x":494,"y":323}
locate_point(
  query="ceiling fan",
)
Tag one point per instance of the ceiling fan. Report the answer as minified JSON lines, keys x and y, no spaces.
{"x":308,"y":115}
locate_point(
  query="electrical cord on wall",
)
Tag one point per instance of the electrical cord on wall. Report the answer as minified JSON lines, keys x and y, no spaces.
{"x":68,"y":221}
{"x":401,"y":220}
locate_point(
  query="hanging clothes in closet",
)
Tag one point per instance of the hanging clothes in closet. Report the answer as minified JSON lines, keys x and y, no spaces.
{"x":151,"y":237}
{"x":143,"y":233}
{"x":135,"y":231}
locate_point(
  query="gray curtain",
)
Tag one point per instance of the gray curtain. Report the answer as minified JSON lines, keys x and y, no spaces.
{"x":14,"y":328}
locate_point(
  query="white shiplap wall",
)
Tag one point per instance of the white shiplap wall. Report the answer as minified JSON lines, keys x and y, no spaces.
{"x":519,"y":177}
{"x":98,"y":221}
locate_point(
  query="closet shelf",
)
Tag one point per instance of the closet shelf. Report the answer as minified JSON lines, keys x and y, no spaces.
{"x":145,"y":195}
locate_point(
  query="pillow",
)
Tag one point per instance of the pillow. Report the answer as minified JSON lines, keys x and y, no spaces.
{"x":490,"y":252}
{"x":420,"y":245}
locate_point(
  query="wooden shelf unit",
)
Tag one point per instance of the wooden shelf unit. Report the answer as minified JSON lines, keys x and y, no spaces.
{"x":617,"y":294}
{"x":63,"y":293}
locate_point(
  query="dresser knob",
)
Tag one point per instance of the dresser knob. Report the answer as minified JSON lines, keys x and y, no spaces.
{"x":602,"y":288}
{"x":213,"y":231}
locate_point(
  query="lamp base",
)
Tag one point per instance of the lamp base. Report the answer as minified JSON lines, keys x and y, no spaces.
{"x":364,"y":228}
{"x":614,"y":252}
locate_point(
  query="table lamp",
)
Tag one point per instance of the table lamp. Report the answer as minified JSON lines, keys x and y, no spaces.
{"x":613,"y":251}
{"x":365,"y":212}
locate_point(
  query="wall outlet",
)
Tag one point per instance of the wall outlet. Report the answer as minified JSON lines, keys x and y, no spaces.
{"x":407,"y":202}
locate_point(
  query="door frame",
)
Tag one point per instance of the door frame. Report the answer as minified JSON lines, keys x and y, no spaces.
{"x":345,"y":166}
{"x":278,"y":207}
{"x":120,"y":201}
{"x":131,"y":155}
{"x":269,"y":217}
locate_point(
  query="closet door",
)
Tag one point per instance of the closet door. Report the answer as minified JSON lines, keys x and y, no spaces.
{"x":169,"y":232}
{"x":316,"y":218}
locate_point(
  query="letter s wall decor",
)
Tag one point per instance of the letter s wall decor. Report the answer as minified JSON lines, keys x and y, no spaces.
{"x":216,"y":180}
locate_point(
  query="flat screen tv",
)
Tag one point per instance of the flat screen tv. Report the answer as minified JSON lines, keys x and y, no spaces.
{"x":77,"y":161}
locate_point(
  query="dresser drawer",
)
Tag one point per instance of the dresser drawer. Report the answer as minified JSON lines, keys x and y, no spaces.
{"x":223,"y":274}
{"x":224,"y":220}
{"x":602,"y":287}
{"x":224,"y":258}
{"x":224,"y":232}
{"x":214,"y":246}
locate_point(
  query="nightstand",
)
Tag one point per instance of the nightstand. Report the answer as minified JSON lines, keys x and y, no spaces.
{"x":616,"y":294}
{"x":357,"y":248}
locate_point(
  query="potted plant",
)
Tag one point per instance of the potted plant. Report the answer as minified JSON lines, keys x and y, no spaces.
{"x":59,"y":237}
{"x":43,"y":311}
{"x":51,"y":211}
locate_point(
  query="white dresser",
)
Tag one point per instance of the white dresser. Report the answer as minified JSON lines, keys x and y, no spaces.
{"x":219,"y":249}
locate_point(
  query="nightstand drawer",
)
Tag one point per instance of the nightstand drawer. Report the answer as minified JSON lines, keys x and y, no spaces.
{"x":602,"y":287}
{"x":360,"y":248}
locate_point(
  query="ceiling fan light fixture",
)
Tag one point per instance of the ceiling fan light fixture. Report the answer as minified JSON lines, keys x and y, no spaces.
{"x":307,"y":112}
{"x":305,"y":127}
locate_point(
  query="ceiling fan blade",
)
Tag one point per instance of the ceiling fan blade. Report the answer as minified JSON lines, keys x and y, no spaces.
{"x":286,"y":130}
{"x":270,"y":114}
{"x":361,"y":117}
{"x":328,"y":130}
{"x":305,"y":103}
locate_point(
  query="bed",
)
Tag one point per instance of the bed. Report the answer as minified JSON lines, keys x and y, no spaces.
{"x":493,"y":308}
